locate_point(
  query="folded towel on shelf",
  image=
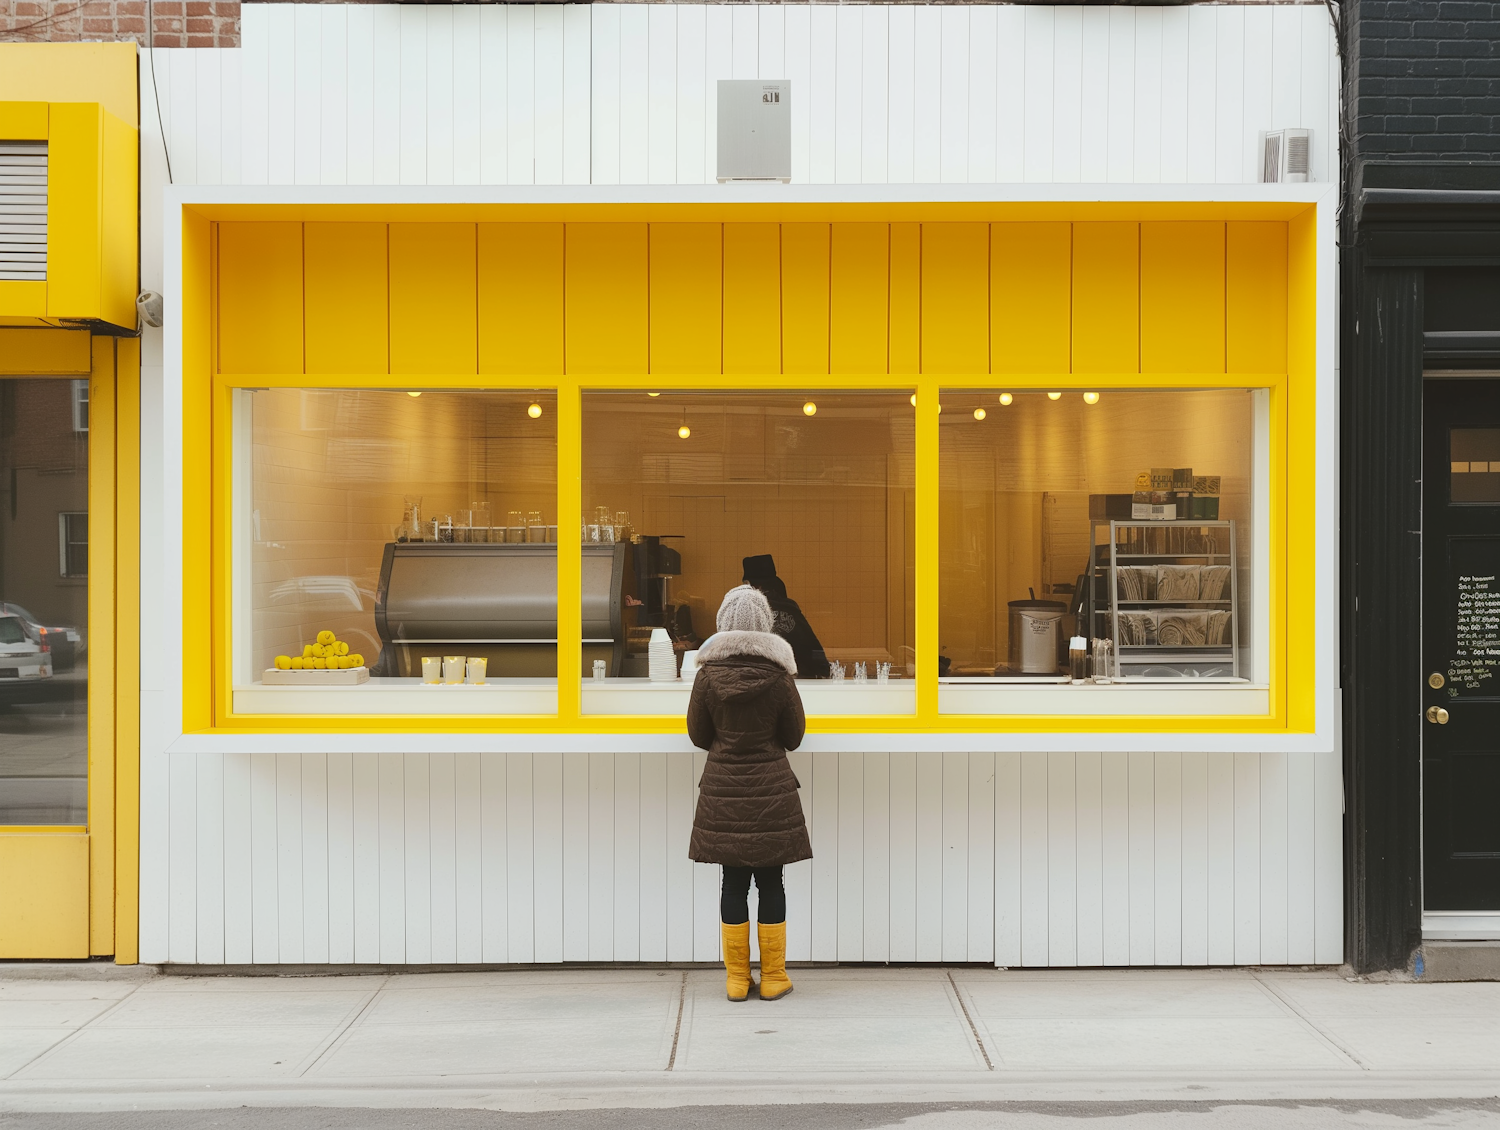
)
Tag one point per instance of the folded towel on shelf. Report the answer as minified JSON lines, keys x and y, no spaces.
{"x":1182,"y":629}
{"x":1219,"y":627}
{"x":1213,"y":582}
{"x":1136,"y":628}
{"x":1178,"y":582}
{"x":1137,"y":582}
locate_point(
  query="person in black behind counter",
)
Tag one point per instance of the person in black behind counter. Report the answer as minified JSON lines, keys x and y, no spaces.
{"x":790,"y":624}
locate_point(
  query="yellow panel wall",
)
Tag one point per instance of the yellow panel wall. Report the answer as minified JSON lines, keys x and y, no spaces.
{"x":1255,"y":275}
{"x":1182,"y":297}
{"x":752,"y":298}
{"x":1030,"y":281}
{"x":434,"y":321}
{"x":906,"y":298}
{"x":74,"y":220}
{"x":859,"y":298}
{"x":260,"y":297}
{"x":955,"y":298}
{"x":686,"y":309}
{"x":521,"y":298}
{"x":606,"y":288}
{"x":804,"y":298}
{"x":44,"y":888}
{"x":347,"y":298}
{"x":1106,"y":297}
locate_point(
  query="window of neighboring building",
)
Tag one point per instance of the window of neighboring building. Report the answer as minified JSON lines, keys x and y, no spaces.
{"x":73,"y":544}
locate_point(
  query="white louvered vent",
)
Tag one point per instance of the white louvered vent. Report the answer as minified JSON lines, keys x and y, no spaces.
{"x":23,"y":210}
{"x":1284,"y":156}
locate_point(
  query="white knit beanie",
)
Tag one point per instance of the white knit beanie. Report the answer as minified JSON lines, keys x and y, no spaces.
{"x":745,"y":609}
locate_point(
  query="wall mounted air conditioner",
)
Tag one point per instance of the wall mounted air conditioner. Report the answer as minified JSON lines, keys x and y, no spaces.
{"x":1285,"y":156}
{"x":755,"y":130}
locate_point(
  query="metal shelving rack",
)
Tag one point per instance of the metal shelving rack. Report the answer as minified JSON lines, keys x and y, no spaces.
{"x":1138,"y":655}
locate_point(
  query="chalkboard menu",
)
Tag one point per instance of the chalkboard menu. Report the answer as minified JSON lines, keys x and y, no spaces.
{"x":1475,"y":658}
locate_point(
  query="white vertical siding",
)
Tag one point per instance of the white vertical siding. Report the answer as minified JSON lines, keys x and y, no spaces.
{"x":1020,"y":859}
{"x":574,"y":94}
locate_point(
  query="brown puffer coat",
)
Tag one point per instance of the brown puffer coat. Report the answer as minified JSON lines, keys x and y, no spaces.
{"x":745,"y":710}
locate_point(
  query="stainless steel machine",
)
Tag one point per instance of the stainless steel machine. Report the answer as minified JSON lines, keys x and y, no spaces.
{"x":498,"y":601}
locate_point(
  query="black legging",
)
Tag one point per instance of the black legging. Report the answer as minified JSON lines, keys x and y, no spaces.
{"x":734,"y":895}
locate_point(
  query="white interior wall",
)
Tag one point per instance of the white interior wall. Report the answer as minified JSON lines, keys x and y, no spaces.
{"x":337,"y":94}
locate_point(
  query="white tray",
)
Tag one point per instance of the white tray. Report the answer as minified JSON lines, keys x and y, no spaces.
{"x":352,"y":677}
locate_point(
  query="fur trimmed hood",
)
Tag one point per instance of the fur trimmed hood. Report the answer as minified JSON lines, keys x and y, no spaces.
{"x":750,"y":645}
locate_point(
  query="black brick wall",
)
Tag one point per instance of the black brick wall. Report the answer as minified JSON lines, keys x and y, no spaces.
{"x":1426,"y":79}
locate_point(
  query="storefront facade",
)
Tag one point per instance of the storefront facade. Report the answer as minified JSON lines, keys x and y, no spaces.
{"x":947,"y":393}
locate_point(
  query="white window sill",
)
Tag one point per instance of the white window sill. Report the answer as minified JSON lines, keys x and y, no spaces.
{"x":1194,"y":697}
{"x":819,"y":696}
{"x":402,"y":696}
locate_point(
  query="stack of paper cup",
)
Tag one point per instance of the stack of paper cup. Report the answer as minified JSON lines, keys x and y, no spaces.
{"x":663,"y":661}
{"x":689,"y":665}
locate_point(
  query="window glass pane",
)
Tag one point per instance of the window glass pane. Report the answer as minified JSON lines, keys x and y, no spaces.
{"x":409,"y":525}
{"x":43,"y":603}
{"x":808,"y":496}
{"x":1119,"y":516}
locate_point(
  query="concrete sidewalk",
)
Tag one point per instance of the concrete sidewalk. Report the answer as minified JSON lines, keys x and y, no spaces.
{"x":594,"y":1038}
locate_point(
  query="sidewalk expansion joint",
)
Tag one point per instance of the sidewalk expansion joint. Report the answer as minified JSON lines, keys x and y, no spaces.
{"x":75,"y":1033}
{"x":1334,"y":1044}
{"x":342,"y":1033}
{"x":973,"y":1028}
{"x":677,"y":1032}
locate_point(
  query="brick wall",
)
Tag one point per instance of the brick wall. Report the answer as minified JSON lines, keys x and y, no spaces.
{"x":1426,"y":79}
{"x":177,"y":23}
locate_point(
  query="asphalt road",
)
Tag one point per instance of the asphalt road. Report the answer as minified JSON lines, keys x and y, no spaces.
{"x":1407,"y":1114}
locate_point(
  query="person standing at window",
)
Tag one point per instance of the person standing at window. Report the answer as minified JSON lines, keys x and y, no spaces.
{"x":745,"y":710}
{"x":787,"y":620}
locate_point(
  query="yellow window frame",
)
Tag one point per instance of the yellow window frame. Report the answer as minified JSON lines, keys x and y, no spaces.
{"x":208,"y":694}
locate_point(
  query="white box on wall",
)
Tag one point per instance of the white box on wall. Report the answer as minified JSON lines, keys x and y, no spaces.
{"x":755,"y":130}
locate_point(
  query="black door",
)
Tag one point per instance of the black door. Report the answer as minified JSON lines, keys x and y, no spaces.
{"x":1461,"y":645}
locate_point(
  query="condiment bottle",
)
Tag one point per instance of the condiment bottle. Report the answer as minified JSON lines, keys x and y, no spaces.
{"x":1078,"y":659}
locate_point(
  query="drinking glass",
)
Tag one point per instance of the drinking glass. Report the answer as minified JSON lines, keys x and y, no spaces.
{"x":432,"y":668}
{"x":453,"y":669}
{"x":476,"y":671}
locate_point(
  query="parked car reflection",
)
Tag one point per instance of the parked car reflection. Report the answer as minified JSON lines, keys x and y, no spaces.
{"x":24,"y":666}
{"x":66,"y":644}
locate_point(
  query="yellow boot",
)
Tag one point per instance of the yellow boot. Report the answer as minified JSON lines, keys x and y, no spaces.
{"x":736,"y":960}
{"x":773,"y":979}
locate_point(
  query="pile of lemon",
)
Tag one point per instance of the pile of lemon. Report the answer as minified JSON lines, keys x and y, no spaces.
{"x":328,"y":654}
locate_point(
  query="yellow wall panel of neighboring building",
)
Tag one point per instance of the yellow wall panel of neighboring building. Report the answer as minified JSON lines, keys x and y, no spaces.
{"x":607,"y":296}
{"x":347,"y":298}
{"x":1255,"y":279}
{"x":44,"y":888}
{"x":260,"y":297}
{"x":434,"y":298}
{"x":906,"y":299}
{"x":119,"y":216}
{"x":1030,"y":280}
{"x":804,"y":298}
{"x":687,"y":307}
{"x":859,"y":298}
{"x":74,"y":220}
{"x":1106,"y":297}
{"x":521,"y":298}
{"x":955,"y":298}
{"x":44,"y":352}
{"x":72,"y":72}
{"x":752,"y":298}
{"x":1182,"y":297}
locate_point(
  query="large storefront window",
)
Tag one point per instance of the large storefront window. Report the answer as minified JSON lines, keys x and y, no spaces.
{"x":397,"y":551}
{"x":1122,"y":519}
{"x":808,"y":496}
{"x":44,"y":479}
